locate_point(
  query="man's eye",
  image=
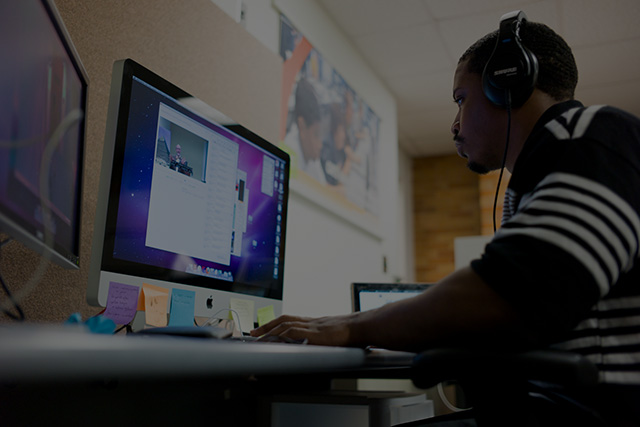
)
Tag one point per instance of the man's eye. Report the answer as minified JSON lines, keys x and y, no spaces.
{"x":458,"y":101}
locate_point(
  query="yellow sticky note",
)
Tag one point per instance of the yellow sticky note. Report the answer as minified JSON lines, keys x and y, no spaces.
{"x":265,"y":315}
{"x":242,"y":313}
{"x":156,"y":300}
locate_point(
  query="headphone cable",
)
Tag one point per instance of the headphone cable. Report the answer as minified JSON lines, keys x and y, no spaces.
{"x":504,"y":158}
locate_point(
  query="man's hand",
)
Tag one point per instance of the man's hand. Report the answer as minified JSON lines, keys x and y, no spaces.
{"x":459,"y":310}
{"x":335,"y":330}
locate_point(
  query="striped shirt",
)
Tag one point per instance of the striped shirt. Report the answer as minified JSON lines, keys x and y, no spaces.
{"x":567,"y":252}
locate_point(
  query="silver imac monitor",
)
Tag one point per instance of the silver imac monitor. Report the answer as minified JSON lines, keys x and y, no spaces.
{"x":43,"y":99}
{"x":188,"y":200}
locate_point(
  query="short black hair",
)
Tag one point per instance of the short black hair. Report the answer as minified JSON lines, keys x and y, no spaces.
{"x":557,"y":73}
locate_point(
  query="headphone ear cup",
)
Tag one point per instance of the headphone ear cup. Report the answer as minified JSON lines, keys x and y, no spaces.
{"x":511,"y":72}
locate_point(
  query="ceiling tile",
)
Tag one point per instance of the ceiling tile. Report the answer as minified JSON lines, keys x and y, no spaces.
{"x":588,"y":22}
{"x":446,"y":9}
{"x":407,"y":51}
{"x":362,"y":17}
{"x":461,"y":32}
{"x":422,"y":91}
{"x":608,"y":63}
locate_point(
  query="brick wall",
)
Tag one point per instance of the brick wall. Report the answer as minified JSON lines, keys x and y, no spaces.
{"x":449,"y":201}
{"x":487,"y":185}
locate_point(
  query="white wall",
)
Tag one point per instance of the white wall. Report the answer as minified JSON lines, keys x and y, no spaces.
{"x":468,"y":248}
{"x":325,"y":252}
{"x":405,"y":181}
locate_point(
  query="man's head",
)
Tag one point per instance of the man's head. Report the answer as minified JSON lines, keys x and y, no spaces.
{"x":308,"y":118}
{"x":558,"y":74}
{"x":480,"y":126}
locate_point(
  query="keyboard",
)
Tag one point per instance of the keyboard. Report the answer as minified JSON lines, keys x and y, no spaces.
{"x":214,"y":332}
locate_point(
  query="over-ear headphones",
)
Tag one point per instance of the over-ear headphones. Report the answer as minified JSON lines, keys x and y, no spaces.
{"x":512,"y":70}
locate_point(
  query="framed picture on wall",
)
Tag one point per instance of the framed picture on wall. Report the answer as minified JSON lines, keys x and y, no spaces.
{"x":330,"y":132}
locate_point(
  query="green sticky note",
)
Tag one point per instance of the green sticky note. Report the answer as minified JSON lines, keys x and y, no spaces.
{"x":265,"y":315}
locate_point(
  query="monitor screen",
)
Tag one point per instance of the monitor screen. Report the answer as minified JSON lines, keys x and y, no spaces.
{"x":43,"y":94}
{"x":188,"y":199}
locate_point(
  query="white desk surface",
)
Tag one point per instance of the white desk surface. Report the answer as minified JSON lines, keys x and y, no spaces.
{"x":41,"y":353}
{"x":67,"y":353}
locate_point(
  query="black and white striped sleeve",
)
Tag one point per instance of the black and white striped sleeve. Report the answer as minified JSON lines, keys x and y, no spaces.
{"x":582,"y":219}
{"x":568,"y":242}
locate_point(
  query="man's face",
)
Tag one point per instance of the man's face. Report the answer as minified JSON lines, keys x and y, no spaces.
{"x":480,"y":128}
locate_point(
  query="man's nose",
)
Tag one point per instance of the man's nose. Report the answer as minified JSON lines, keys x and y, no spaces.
{"x":455,"y":127}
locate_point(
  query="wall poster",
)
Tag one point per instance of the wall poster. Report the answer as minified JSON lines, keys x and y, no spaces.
{"x":330,"y":132}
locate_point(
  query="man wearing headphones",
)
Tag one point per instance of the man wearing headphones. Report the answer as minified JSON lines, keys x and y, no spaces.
{"x":563,"y":269}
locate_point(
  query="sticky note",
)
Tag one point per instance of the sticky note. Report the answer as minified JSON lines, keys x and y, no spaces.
{"x":122,"y":302}
{"x":156,"y":300}
{"x":182,"y":307}
{"x":265,"y":315}
{"x":242,"y":312}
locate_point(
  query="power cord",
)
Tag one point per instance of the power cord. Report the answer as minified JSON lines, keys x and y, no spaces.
{"x":504,"y":159}
{"x":214,"y":318}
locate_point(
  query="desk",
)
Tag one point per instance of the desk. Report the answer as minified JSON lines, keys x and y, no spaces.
{"x":56,"y":353}
{"x":68,"y":375}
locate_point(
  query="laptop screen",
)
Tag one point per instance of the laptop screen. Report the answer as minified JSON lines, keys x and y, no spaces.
{"x":367,"y":296}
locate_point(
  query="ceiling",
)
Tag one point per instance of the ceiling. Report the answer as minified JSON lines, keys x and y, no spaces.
{"x":414,"y":45}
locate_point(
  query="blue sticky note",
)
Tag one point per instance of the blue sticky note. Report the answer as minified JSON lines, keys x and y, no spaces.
{"x":122,"y":303}
{"x":182,"y":307}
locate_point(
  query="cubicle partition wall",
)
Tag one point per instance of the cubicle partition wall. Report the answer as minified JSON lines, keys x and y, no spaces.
{"x":195,"y":45}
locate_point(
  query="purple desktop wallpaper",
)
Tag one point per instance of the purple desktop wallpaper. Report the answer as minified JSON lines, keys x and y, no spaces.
{"x":259,"y":268}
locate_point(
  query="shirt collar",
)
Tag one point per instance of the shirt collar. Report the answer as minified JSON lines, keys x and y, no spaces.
{"x":550,"y":114}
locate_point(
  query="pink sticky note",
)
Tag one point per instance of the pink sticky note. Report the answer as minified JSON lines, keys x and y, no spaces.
{"x":122,"y":301}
